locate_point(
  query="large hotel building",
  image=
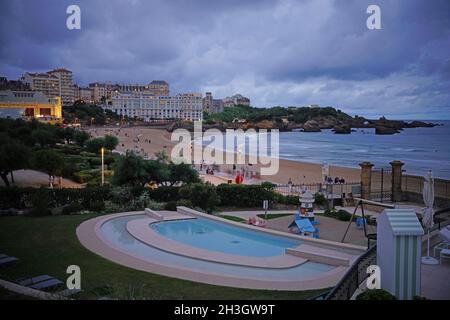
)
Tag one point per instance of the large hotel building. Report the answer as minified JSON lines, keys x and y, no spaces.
{"x":149,"y":107}
{"x":57,"y":82}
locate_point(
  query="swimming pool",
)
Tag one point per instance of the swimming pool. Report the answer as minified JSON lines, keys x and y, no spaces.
{"x":115,"y":233}
{"x":216,"y":236}
{"x":118,"y":237}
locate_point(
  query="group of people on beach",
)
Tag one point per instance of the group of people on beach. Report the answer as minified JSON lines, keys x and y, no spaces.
{"x":336,"y":180}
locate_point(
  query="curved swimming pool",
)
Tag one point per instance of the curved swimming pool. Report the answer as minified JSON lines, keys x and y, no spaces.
{"x":215,"y":236}
{"x":114,"y":231}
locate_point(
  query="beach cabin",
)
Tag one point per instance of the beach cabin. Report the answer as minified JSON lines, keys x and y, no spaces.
{"x":399,"y":248}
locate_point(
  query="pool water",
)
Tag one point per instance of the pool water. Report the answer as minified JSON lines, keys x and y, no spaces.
{"x":220,"y":237}
{"x":114,"y":232}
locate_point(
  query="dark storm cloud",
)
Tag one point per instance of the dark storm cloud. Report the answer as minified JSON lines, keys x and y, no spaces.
{"x":283,"y":52}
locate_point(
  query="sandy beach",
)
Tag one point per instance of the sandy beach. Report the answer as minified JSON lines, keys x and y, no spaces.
{"x":148,"y":141}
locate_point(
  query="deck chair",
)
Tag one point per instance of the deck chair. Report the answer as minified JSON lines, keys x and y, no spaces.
{"x":46,"y":284}
{"x":30,"y":281}
{"x":6,"y":260}
{"x":445,"y":236}
{"x":68,"y":292}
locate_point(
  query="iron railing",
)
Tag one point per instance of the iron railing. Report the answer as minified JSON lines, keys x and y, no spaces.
{"x":414,"y":184}
{"x":336,"y":191}
{"x":353,"y":278}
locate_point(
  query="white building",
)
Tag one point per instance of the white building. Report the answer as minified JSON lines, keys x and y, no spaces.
{"x":148,"y":107}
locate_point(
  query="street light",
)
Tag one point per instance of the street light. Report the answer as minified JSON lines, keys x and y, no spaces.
{"x":103,"y":165}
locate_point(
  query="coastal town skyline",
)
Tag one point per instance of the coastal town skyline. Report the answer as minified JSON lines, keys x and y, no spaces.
{"x":286,"y":58}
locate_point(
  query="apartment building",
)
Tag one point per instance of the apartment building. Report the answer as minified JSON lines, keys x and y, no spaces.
{"x":235,"y":100}
{"x":83,"y":93}
{"x":65,"y":85}
{"x":149,"y":107}
{"x":42,"y":82}
{"x":15,"y":85}
{"x":212,"y":105}
{"x":102,"y":91}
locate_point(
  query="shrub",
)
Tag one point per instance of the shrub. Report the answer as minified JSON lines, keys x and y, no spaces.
{"x":94,"y":145}
{"x":155,"y":205}
{"x":72,"y":208}
{"x":97,"y":206}
{"x":288,"y":200}
{"x":83,"y":176}
{"x":268,"y":185}
{"x":165,"y":193}
{"x":376,"y":294}
{"x":343,"y":215}
{"x":202,"y":195}
{"x":80,"y":137}
{"x":184,"y":203}
{"x":243,"y":195}
{"x":14,"y":197}
{"x":340,"y":214}
{"x":40,"y":202}
{"x":171,"y":206}
{"x":319,"y":199}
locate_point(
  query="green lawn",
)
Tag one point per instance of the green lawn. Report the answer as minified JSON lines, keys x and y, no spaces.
{"x":274,"y":215}
{"x":47,"y":245}
{"x":232,"y":218}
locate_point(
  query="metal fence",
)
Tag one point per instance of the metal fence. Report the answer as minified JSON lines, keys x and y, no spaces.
{"x":414,"y":184}
{"x":381,"y":185}
{"x":354,"y":277}
{"x":333,"y":191}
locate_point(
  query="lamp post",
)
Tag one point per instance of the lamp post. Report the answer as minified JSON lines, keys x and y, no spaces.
{"x":103,"y":165}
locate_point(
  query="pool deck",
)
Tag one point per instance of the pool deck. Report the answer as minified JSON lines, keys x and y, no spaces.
{"x":315,"y":250}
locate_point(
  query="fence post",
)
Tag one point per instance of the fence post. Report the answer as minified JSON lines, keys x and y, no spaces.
{"x":396,"y":180}
{"x":366,"y":179}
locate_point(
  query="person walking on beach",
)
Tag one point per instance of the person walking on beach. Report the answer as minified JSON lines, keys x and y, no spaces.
{"x":290,"y":186}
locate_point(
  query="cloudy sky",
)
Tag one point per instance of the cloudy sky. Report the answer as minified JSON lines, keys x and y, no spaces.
{"x":287,"y":52}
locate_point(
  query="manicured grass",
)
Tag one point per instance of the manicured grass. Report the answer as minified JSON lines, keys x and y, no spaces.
{"x":273,"y":215}
{"x":48,"y":245}
{"x":232,"y":218}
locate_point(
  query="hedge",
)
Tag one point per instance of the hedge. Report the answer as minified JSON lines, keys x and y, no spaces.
{"x":20,"y":198}
{"x":238,"y":195}
{"x":165,"y":194}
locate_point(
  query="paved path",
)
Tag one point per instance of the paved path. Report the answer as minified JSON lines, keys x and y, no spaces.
{"x":330,"y":228}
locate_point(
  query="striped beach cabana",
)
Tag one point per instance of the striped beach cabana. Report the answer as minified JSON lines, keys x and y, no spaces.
{"x":399,"y":248}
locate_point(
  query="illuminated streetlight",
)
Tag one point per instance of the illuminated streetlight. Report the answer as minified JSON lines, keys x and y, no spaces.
{"x":103,"y":165}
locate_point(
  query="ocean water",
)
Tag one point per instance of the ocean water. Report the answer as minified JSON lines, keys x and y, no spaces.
{"x":421,"y":149}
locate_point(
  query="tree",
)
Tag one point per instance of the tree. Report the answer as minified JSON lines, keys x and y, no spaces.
{"x":48,"y":161}
{"x":43,"y":137}
{"x":130,"y":169}
{"x":68,"y":134}
{"x":94,"y":145}
{"x":80,"y":137}
{"x":182,"y":172}
{"x":13,"y":156}
{"x":110,"y":142}
{"x":157,"y":171}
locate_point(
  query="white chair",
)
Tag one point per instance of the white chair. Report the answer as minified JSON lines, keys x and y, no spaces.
{"x":445,"y":236}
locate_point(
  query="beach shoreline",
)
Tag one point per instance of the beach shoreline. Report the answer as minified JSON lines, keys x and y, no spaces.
{"x":149,"y":141}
